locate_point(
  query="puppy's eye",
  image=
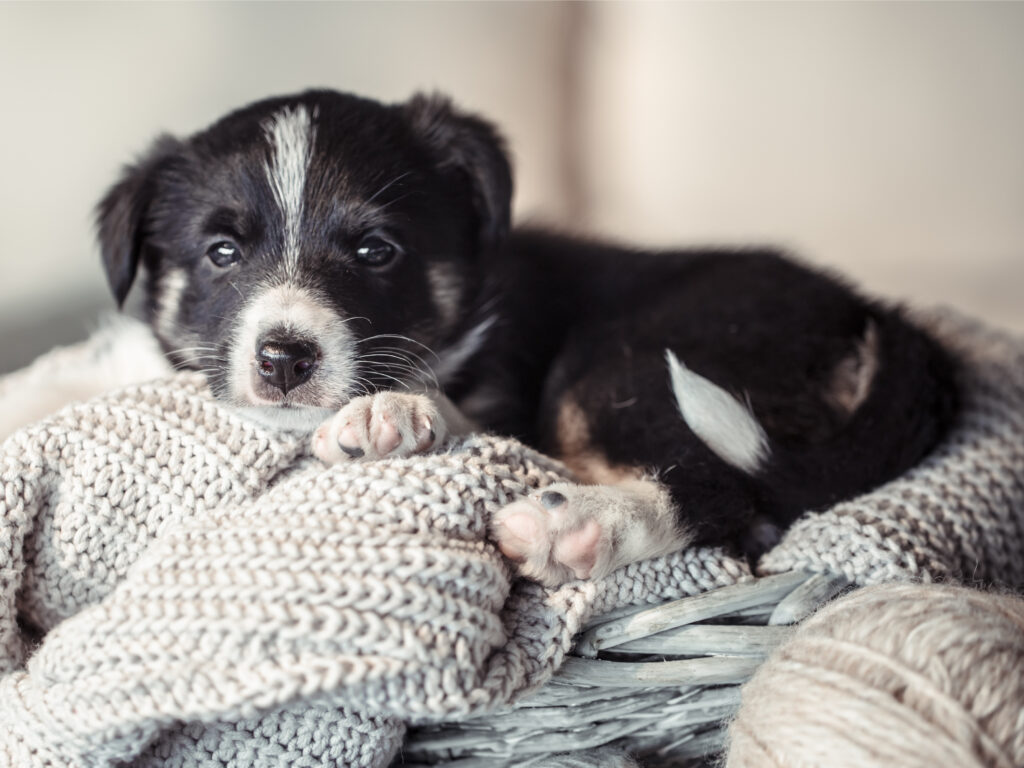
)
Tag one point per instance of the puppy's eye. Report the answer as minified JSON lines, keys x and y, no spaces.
{"x":375,"y":251}
{"x":224,"y":253}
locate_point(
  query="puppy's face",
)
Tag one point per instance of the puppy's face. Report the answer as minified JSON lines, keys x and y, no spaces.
{"x":307,"y":249}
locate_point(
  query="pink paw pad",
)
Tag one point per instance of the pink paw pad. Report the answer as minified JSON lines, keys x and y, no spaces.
{"x":387,"y":424}
{"x":551,"y":540}
{"x":388,"y":437}
{"x":521,"y":527}
{"x":579,"y":549}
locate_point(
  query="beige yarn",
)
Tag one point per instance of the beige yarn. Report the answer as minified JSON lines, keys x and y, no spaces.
{"x":896,"y":675}
{"x":208,"y":595}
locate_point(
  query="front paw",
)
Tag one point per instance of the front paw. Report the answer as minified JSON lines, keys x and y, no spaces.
{"x":553,"y":535}
{"x":387,"y":424}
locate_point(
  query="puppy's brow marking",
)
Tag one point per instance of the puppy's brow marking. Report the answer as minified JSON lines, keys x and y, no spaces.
{"x":291,"y":136}
{"x":722,"y":422}
{"x":170,"y":289}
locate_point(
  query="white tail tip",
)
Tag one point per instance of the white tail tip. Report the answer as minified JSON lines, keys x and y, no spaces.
{"x":723,"y":423}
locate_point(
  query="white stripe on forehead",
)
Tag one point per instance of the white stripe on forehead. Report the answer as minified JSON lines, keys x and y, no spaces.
{"x":290,"y":132}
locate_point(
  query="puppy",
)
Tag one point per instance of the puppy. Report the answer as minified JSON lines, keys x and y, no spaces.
{"x":327,"y":258}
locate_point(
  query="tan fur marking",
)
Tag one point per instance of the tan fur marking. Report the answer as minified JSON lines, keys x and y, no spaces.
{"x":852,"y":378}
{"x":446,"y":286}
{"x":579,"y":453}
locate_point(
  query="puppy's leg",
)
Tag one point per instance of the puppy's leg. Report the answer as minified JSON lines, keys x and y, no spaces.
{"x":662,"y":479}
{"x":388,"y":424}
{"x":567,"y":531}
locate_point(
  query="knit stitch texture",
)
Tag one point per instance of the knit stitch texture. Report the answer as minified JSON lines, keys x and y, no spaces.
{"x":180,"y":587}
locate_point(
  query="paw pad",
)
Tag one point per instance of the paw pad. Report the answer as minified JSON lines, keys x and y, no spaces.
{"x":388,"y":424}
{"x":552,"y":499}
{"x":551,"y":537}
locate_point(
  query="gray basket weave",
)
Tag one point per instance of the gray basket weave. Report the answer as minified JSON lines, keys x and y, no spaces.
{"x":659,"y":681}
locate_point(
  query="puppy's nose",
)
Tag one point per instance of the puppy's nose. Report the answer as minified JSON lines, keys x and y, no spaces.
{"x":286,"y":364}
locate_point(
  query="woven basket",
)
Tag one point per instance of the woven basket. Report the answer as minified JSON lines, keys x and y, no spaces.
{"x":659,"y":681}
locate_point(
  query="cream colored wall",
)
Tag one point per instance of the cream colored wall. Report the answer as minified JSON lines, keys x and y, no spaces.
{"x":85,"y":87}
{"x":886,"y":140}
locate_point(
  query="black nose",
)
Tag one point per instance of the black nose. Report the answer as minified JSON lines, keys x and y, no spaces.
{"x":286,"y":364}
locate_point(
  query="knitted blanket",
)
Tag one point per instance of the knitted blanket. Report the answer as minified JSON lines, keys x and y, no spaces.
{"x":180,"y":587}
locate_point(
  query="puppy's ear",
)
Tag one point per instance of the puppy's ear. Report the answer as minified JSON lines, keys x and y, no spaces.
{"x":472,"y":145}
{"x":121,"y":216}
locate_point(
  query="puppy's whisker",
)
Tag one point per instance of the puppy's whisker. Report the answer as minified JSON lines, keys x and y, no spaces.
{"x":190,"y":358}
{"x":402,"y":338}
{"x":385,"y":355}
{"x":389,"y":203}
{"x":366,"y":386}
{"x":404,"y":365}
{"x":406,"y":375}
{"x":398,"y":381}
{"x":195,"y":351}
{"x":387,"y":186}
{"x":406,"y":353}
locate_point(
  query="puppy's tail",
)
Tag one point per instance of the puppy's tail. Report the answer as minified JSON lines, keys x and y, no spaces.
{"x":724,"y":424}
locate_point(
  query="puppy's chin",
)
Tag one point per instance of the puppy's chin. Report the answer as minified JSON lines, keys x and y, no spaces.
{"x":296,"y":419}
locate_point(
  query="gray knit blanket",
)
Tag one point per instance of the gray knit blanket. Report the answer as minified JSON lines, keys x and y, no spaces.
{"x":180,"y":587}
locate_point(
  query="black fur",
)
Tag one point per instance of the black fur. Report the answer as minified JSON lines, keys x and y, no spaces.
{"x":122,"y":216}
{"x":563,"y":317}
{"x":594,"y":321}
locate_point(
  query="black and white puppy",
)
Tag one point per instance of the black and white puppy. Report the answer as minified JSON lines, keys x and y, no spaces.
{"x":323,"y":256}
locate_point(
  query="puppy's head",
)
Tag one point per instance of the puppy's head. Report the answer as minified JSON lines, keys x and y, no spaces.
{"x":306,"y":249}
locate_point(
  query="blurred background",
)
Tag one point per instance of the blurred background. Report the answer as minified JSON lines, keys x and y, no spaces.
{"x":885,"y":141}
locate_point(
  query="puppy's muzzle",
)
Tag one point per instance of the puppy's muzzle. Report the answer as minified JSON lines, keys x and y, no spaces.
{"x":286,"y":364}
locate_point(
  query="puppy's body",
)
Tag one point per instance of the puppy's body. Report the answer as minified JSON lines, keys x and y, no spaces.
{"x":311,"y":253}
{"x":577,"y":365}
{"x":740,"y":382}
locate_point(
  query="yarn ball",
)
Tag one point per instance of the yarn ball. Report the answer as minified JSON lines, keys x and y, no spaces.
{"x":899,"y":675}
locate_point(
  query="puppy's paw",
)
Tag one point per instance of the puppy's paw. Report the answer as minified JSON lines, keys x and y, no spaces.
{"x":387,"y":424}
{"x":555,"y":535}
{"x":566,"y":531}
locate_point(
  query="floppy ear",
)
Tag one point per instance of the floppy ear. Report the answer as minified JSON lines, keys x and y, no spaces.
{"x":121,"y":216}
{"x":472,"y":145}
